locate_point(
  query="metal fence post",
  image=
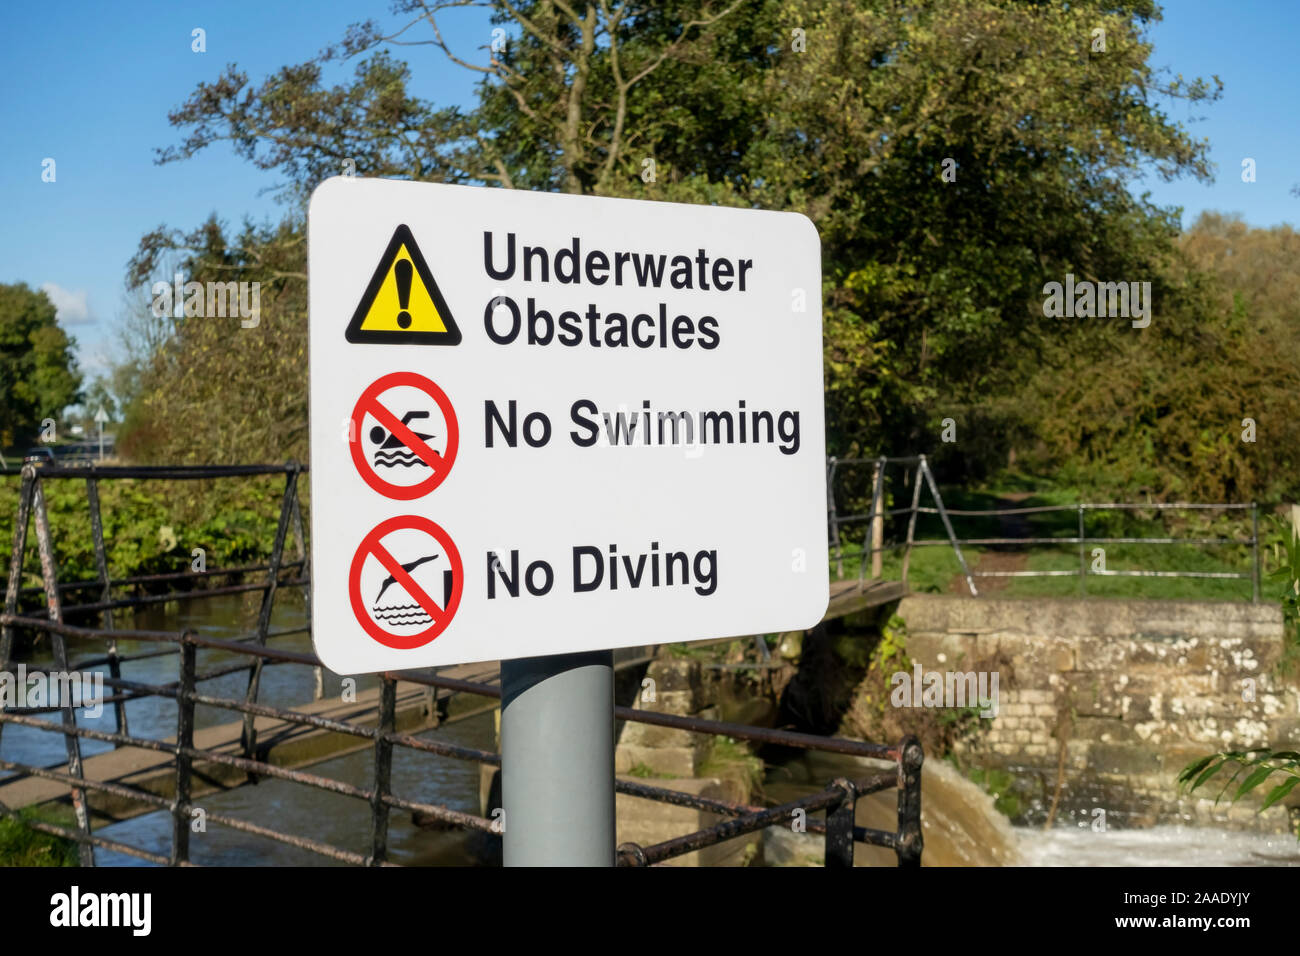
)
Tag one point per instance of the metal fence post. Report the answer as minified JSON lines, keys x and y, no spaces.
{"x":304,"y":574}
{"x":867,"y":552}
{"x":106,"y":595}
{"x":952,"y":536}
{"x":910,"y":842}
{"x":839,"y":826}
{"x":833,"y":517}
{"x":248,"y":737}
{"x":911,"y":519}
{"x":181,"y":810}
{"x":878,"y":523}
{"x":16,"y":565}
{"x":1083,"y":559}
{"x":54,"y":609}
{"x":383,"y":770}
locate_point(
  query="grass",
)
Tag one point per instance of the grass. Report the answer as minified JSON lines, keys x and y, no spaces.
{"x":20,"y":845}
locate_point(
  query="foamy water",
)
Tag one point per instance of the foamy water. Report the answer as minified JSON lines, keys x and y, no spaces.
{"x":1158,"y":846}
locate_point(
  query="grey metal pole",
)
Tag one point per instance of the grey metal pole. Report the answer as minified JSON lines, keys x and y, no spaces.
{"x":1083,"y":559}
{"x":1254,"y":544}
{"x":557,"y":759}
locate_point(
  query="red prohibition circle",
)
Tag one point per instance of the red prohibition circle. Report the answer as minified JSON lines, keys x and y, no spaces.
{"x":372,"y":545}
{"x":440,"y":465}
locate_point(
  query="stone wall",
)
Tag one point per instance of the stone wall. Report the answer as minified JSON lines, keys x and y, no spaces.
{"x":1137,"y":689}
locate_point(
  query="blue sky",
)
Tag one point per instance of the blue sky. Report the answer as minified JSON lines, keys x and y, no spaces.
{"x":91,"y":85}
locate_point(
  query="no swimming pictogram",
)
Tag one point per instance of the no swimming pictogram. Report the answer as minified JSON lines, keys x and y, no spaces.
{"x":406,"y":582}
{"x":404,"y":435}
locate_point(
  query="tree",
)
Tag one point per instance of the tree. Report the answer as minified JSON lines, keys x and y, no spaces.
{"x":210,"y":391}
{"x":956,"y":156}
{"x":852,"y":112}
{"x":38,"y":374}
{"x":222,"y":389}
{"x":1204,"y":404}
{"x":572,"y":97}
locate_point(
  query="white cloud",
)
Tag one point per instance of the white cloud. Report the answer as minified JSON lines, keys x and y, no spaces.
{"x":72,"y":307}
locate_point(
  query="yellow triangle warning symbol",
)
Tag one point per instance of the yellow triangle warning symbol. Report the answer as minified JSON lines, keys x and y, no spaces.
{"x":403,"y":305}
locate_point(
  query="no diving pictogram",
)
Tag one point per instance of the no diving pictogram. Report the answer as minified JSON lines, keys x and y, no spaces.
{"x":412,"y":437}
{"x":406,"y":582}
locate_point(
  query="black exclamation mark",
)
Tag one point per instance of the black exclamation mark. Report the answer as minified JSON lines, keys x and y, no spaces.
{"x":403,"y":271}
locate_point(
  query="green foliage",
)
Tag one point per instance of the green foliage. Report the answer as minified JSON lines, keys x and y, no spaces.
{"x":1161,"y":410}
{"x":1258,"y":765}
{"x":214,"y":392}
{"x":934,"y":287}
{"x":20,"y":845}
{"x":1001,"y":786}
{"x":891,"y":650}
{"x":728,"y":757}
{"x":38,"y":374}
{"x":233,"y":521}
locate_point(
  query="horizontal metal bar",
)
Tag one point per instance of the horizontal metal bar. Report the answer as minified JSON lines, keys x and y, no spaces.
{"x":784,"y":738}
{"x":1074,"y":573}
{"x":170,"y":472}
{"x":117,"y":789}
{"x":881,"y":781}
{"x":730,"y":829}
{"x":78,"y":837}
{"x":933,"y":542}
{"x":200,"y":594}
{"x":1168,"y":540}
{"x":1170,"y":574}
{"x":1164,"y":506}
{"x":844,"y":519}
{"x":169,"y":651}
{"x":302,"y":843}
{"x":167,"y":576}
{"x":925,"y":509}
{"x":904,"y":460}
{"x":1118,"y":506}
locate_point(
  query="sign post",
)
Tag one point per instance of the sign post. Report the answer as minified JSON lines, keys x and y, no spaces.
{"x":545,"y":426}
{"x":557,"y":759}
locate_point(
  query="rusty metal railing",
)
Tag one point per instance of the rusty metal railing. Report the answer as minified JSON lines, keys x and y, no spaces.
{"x":255,"y":653}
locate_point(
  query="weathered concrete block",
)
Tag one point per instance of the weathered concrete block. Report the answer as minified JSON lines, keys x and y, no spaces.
{"x":650,"y":735}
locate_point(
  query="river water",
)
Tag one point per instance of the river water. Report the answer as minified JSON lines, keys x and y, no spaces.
{"x":961,"y":827}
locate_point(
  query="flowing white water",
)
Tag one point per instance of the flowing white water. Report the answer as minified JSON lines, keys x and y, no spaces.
{"x":1158,"y":846}
{"x":962,"y":828}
